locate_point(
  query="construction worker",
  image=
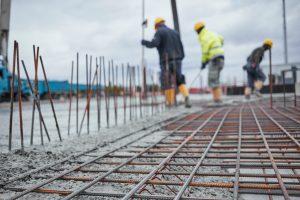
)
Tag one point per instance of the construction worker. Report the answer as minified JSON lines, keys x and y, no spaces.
{"x":171,"y":53}
{"x":213,"y":55}
{"x":255,"y":75}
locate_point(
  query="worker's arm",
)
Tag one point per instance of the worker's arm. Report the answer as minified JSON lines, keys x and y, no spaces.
{"x":154,"y":42}
{"x":205,"y":51}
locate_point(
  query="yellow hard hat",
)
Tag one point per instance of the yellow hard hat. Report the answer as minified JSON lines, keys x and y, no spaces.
{"x":268,"y":42}
{"x":199,"y":25}
{"x":157,"y":21}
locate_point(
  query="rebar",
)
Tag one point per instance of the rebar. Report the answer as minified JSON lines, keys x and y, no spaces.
{"x":12,"y":94}
{"x":20,"y":99}
{"x":70,"y":98}
{"x":50,"y":98}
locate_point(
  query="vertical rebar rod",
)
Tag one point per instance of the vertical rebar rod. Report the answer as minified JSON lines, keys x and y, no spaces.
{"x":117,"y":91}
{"x":50,"y":98}
{"x":77,"y":91}
{"x":70,"y":98}
{"x":97,"y":95}
{"x":124,"y":94}
{"x":109,"y":91}
{"x":34,"y":103}
{"x":20,"y":100}
{"x":152,"y":94}
{"x":32,"y":119}
{"x":114,"y":90}
{"x":106,"y":93}
{"x":36,"y":86}
{"x":271,"y":78}
{"x":135,"y":91}
{"x":140,"y":90}
{"x":130,"y":93}
{"x":12,"y":91}
{"x":145,"y":97}
{"x":87,"y":88}
{"x":91,"y":90}
{"x":100,"y":81}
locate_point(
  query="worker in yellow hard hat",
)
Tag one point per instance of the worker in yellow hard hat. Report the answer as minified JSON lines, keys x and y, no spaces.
{"x":255,"y":75}
{"x":171,"y":53}
{"x":213,"y":55}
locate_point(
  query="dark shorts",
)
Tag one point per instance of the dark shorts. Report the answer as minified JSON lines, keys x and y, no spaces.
{"x":254,"y":74}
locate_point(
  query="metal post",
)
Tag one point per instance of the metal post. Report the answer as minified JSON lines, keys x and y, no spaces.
{"x":284,"y":33}
{"x":143,"y":31}
{"x":175,"y":16}
{"x":70,"y":98}
{"x":12,"y":91}
{"x":271,"y":79}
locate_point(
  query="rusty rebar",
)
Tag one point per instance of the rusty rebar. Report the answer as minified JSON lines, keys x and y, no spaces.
{"x":50,"y":98}
{"x":97,"y":95}
{"x":12,"y":94}
{"x":20,"y":100}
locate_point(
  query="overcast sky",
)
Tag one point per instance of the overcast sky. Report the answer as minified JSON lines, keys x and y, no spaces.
{"x":113,"y":29}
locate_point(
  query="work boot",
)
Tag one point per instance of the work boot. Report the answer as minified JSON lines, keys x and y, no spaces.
{"x":187,"y":102}
{"x":257,"y":93}
{"x":217,"y":92}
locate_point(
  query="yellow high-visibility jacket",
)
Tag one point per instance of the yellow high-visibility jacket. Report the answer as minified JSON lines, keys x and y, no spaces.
{"x":211,"y":44}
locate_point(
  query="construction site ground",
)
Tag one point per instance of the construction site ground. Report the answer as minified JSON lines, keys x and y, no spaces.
{"x":241,"y":150}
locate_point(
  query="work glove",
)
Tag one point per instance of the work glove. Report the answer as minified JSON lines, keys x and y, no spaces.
{"x":144,"y":42}
{"x":203,"y":65}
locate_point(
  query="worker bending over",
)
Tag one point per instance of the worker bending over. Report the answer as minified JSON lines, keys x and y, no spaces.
{"x":255,"y":75}
{"x":171,"y":53}
{"x":212,"y":54}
